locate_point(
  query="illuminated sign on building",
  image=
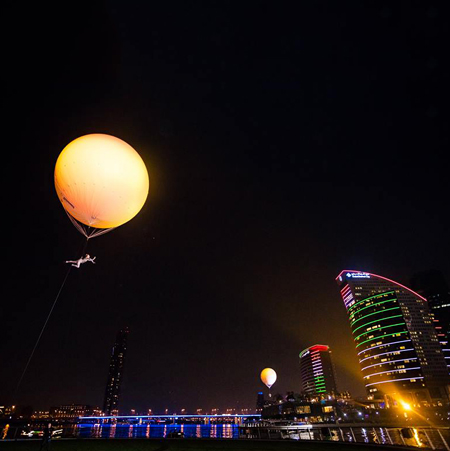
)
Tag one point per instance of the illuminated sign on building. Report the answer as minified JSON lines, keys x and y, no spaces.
{"x":358,"y":275}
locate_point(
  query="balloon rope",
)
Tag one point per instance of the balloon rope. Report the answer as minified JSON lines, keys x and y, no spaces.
{"x":45,"y":324}
{"x":69,"y":324}
{"x":99,"y":232}
{"x":42,"y":331}
{"x":77,"y":225}
{"x":87,"y":232}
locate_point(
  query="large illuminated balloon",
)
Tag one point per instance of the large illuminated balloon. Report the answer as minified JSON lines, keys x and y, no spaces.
{"x":101,"y":181}
{"x":268,"y":377}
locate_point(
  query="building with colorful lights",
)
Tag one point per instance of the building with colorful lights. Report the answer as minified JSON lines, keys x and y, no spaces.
{"x":398,"y":350}
{"x":317,"y":371}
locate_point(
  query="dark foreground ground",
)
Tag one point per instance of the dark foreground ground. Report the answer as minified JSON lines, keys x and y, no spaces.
{"x":187,"y":445}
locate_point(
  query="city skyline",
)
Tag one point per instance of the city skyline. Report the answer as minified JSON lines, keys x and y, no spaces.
{"x":385,"y":290}
{"x":282,"y":145}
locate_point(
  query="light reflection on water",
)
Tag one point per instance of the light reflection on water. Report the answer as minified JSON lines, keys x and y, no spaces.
{"x":364,"y":435}
{"x":382,"y":436}
{"x":157,"y":430}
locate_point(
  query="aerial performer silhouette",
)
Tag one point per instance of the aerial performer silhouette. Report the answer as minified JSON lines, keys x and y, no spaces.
{"x":102,"y":183}
{"x":81,"y":260}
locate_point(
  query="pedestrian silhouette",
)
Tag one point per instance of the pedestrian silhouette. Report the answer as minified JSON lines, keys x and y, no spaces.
{"x":46,"y":437}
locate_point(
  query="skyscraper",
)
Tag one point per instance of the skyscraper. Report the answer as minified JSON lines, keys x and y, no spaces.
{"x":317,"y":371}
{"x":115,"y":373}
{"x":398,"y":350}
{"x":433,"y":286}
{"x":260,"y":401}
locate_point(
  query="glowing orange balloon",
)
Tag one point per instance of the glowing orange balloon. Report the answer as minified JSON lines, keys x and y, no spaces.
{"x":268,"y":377}
{"x":101,"y":181}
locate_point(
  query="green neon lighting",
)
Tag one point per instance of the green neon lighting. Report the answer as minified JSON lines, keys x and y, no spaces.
{"x":303,"y":352}
{"x":378,"y":320}
{"x":382,"y":336}
{"x":370,"y":297}
{"x":379,"y":328}
{"x":318,"y":384}
{"x":374,"y":313}
{"x":371,"y":305}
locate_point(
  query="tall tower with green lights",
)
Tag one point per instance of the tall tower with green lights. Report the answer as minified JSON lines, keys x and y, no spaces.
{"x":317,"y":371}
{"x":398,"y":350}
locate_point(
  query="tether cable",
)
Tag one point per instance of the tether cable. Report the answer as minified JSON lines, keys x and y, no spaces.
{"x":45,"y":324}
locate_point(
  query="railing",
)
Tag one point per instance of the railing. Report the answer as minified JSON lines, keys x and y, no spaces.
{"x":433,"y":438}
{"x":420,"y":437}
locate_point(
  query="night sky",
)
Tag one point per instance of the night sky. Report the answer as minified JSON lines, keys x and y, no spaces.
{"x":285,"y":141}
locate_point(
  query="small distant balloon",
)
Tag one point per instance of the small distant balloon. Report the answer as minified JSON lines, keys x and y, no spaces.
{"x":268,"y":377}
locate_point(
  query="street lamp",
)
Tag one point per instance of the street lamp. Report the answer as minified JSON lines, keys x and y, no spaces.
{"x":406,"y":408}
{"x":405,"y":405}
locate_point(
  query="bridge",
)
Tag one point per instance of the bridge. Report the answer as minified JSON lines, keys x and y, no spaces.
{"x":219,"y":418}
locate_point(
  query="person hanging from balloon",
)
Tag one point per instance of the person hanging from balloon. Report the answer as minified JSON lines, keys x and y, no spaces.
{"x":102,"y":183}
{"x":81,"y":260}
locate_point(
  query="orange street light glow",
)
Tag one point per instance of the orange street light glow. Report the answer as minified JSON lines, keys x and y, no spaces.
{"x":405,"y":405}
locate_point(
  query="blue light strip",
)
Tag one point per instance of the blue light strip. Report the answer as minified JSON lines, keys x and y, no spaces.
{"x":224,"y":415}
{"x":393,"y":371}
{"x":392,"y":361}
{"x":395,"y":380}
{"x":384,"y":344}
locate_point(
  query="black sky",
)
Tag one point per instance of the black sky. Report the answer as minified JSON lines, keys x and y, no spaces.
{"x":285,"y":141}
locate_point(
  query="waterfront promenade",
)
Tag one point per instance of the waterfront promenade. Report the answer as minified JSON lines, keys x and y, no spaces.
{"x":226,"y":436}
{"x":191,"y":445}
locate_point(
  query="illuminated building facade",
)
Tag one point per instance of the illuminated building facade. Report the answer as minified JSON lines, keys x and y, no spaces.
{"x":317,"y":371}
{"x":397,"y":346}
{"x":7,"y":411}
{"x":433,"y":286}
{"x":115,"y":374}
{"x":69,"y":412}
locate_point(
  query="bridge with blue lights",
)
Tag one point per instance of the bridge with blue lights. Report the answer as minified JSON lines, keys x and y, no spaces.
{"x":140,"y":419}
